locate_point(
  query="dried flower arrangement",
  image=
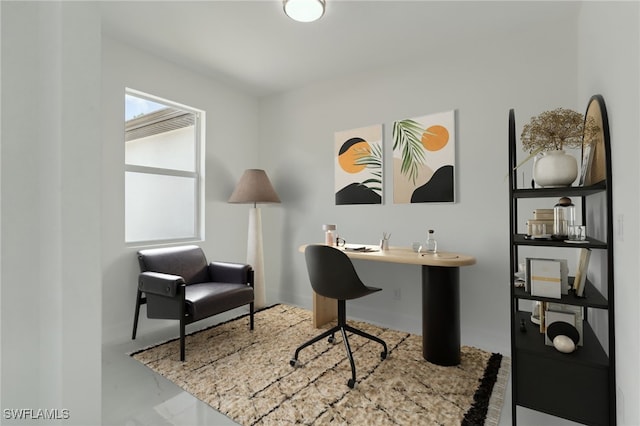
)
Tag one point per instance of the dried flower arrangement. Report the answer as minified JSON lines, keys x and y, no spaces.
{"x":557,"y":129}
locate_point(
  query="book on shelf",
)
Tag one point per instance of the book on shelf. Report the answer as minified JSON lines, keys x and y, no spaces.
{"x":543,"y":214}
{"x":542,"y":311}
{"x":546,"y":277}
{"x":582,"y":267}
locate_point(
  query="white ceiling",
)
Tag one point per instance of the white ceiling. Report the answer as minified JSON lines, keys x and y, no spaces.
{"x":253,"y":45}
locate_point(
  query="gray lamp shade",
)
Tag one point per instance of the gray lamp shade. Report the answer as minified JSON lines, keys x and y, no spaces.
{"x":254,"y":187}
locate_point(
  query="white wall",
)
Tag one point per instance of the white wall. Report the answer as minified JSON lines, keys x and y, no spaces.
{"x":481,"y":80}
{"x":51,"y":309}
{"x":608,"y":63}
{"x":231,"y":135}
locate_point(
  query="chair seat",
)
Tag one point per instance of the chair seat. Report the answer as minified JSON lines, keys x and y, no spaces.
{"x":356,"y":293}
{"x":207,"y":299}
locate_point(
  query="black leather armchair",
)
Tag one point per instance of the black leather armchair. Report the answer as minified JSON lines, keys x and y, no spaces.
{"x":178,"y":283}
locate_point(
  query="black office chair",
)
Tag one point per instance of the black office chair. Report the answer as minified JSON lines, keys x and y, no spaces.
{"x":332,"y":275}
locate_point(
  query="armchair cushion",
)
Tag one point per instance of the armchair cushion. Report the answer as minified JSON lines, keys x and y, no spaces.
{"x":207,"y":299}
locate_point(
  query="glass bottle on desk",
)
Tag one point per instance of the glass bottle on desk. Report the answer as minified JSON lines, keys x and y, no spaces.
{"x":431,"y":245}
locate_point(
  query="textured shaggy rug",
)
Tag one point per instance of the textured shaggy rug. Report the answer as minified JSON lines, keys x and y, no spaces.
{"x":246,"y":375}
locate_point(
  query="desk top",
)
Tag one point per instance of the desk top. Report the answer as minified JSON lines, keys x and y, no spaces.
{"x":406,"y":255}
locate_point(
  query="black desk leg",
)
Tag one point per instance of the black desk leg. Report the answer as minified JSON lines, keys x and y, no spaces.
{"x":441,"y":315}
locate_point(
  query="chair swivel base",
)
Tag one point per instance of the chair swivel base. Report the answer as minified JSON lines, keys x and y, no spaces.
{"x":342,"y":328}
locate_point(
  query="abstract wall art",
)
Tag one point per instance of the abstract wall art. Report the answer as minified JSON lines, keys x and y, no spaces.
{"x":358,"y":166}
{"x":424,"y":154}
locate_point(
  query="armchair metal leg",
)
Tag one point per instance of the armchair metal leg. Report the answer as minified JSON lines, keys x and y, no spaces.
{"x":136,"y":315}
{"x":251,"y":316}
{"x":182,"y":330}
{"x":183,"y":319}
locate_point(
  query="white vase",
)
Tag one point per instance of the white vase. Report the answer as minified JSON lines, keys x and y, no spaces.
{"x":555,"y":169}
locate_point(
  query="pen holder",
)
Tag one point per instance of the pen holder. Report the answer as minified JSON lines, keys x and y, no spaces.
{"x":384,"y":244}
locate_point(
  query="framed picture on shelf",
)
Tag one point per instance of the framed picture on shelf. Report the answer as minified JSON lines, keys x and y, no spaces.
{"x":567,"y":313}
{"x":585,"y":170}
{"x":593,"y":168}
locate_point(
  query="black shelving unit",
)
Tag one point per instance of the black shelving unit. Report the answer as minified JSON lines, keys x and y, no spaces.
{"x":579,"y":386}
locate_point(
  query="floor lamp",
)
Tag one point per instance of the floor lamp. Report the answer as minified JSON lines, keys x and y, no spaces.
{"x":254,"y":187}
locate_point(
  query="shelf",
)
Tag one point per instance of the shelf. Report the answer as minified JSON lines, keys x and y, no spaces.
{"x":520,"y":239}
{"x":579,"y":386}
{"x":566,"y":191}
{"x":592,"y":297}
{"x":532,"y":341}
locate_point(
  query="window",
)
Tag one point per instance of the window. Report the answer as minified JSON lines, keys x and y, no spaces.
{"x":163,"y":172}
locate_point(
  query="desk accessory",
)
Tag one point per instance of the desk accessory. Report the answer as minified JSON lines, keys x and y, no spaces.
{"x":384,"y":242}
{"x":431,"y":245}
{"x":329,"y":234}
{"x":363,"y":249}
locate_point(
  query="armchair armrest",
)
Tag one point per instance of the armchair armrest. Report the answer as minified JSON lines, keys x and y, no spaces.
{"x":230,"y":272}
{"x":158,"y":283}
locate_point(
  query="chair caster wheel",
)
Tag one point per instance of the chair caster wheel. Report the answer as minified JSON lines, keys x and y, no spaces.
{"x":383,"y":355}
{"x":331,"y":340}
{"x":351,"y":383}
{"x":294,"y":363}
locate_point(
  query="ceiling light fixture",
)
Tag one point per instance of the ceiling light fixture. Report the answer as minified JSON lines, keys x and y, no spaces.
{"x":304,"y":10}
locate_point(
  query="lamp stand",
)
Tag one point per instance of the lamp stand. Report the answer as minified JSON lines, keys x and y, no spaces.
{"x":255,"y":257}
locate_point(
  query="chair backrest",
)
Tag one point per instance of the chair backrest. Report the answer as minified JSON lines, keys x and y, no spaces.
{"x":332,"y":274}
{"x":188,"y":262}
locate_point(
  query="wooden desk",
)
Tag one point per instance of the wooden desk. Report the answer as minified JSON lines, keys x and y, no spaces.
{"x":440,"y":298}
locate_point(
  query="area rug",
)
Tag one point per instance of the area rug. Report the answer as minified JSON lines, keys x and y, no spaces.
{"x":246,"y":375}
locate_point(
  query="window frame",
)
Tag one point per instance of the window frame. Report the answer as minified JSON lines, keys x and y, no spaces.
{"x":198,"y":174}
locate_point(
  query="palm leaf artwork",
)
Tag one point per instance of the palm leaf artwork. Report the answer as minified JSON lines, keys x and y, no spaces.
{"x":371,"y":159}
{"x":407,"y":138}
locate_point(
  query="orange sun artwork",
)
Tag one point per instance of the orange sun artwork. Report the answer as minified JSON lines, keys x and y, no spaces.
{"x":358,"y":165}
{"x":350,"y":152}
{"x":424,"y":155}
{"x":435,"y":138}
